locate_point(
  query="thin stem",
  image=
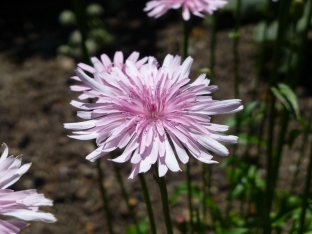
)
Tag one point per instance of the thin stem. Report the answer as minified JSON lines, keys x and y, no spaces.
{"x":104,"y":197}
{"x":161,"y":181}
{"x":213,"y":44}
{"x":204,"y":177}
{"x":298,"y":71}
{"x":301,"y":154}
{"x":303,"y":44}
{"x":189,"y":195}
{"x":282,"y":20}
{"x":306,"y":193}
{"x":148,"y":203}
{"x":80,"y":13}
{"x":284,"y":117}
{"x":236,"y":36}
{"x":205,"y":189}
{"x":262,"y":62}
{"x":126,"y":197}
{"x":235,"y":48}
{"x":186,"y":34}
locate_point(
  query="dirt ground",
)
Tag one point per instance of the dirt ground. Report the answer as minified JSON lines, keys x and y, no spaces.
{"x":34,"y":104}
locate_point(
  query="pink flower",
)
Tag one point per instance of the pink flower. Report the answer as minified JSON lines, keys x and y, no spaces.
{"x":157,"y":8}
{"x":22,"y":204}
{"x":154,"y":113}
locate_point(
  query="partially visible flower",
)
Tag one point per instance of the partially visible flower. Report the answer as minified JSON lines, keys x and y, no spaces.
{"x":154,"y":113}
{"x":22,"y":205}
{"x":157,"y":8}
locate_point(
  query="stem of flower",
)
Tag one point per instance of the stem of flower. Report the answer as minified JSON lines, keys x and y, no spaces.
{"x":80,"y":13}
{"x":298,"y":71}
{"x":189,"y":195}
{"x":161,"y":181}
{"x":235,"y":36}
{"x":186,"y":34}
{"x":306,"y":190}
{"x":282,"y":20}
{"x":213,"y":44}
{"x":148,"y":203}
{"x":235,"y":48}
{"x":205,"y":189}
{"x":104,"y":197}
{"x":126,"y":197}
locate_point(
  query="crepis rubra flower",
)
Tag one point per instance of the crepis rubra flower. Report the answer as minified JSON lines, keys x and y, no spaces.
{"x":154,"y":113}
{"x":157,"y":8}
{"x":22,"y":205}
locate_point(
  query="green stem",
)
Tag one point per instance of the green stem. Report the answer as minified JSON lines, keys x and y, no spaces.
{"x":126,"y":197}
{"x":189,"y":195}
{"x":148,"y":203}
{"x":206,"y":188}
{"x":80,"y":13}
{"x":235,"y":48}
{"x":236,"y":83}
{"x":284,"y":117}
{"x":302,"y":149}
{"x":104,"y":197}
{"x":298,"y":71}
{"x":161,"y":181}
{"x":186,"y":34}
{"x":306,"y":192}
{"x":282,"y":21}
{"x":262,"y":63}
{"x":303,"y":44}
{"x":213,"y":44}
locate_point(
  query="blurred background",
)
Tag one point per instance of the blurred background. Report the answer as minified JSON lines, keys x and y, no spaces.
{"x":40,"y":45}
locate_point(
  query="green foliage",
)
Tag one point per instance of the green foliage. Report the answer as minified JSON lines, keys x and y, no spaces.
{"x":289,"y":99}
{"x":244,"y":178}
{"x":182,"y":189}
{"x":143,"y":228}
{"x":251,"y":113}
{"x":245,"y":139}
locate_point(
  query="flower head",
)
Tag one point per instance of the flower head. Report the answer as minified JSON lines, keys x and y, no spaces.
{"x":19,"y":204}
{"x":154,"y":113}
{"x":157,"y":8}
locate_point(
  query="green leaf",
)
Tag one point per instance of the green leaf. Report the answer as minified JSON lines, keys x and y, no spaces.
{"x":291,"y":98}
{"x":286,"y":95}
